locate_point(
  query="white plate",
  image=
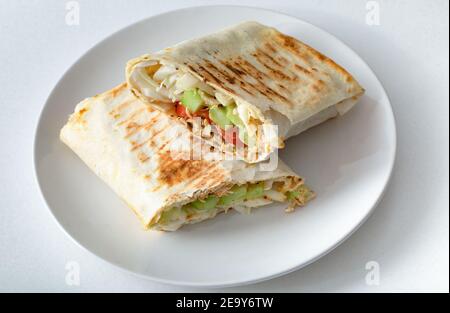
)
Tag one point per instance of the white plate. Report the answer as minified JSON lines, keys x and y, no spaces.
{"x":348,"y":162}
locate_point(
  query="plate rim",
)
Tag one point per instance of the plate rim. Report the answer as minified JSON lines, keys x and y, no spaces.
{"x":215,"y":284}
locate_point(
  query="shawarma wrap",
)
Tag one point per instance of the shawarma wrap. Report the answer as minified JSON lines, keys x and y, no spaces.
{"x":250,"y":76}
{"x":146,"y":157}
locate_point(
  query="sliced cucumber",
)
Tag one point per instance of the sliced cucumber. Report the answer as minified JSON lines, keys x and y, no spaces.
{"x":192,"y":100}
{"x":206,"y":204}
{"x":233,"y":117}
{"x":171,"y":215}
{"x":188,"y":208}
{"x":255,"y":191}
{"x":219,"y":116}
{"x":237,"y":193}
{"x":236,"y":120}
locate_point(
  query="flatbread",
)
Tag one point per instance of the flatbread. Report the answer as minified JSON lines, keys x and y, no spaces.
{"x":291,"y":84}
{"x":146,"y":157}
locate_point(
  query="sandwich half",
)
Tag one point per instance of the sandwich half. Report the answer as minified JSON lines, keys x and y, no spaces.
{"x":268,"y":85}
{"x":152,"y":161}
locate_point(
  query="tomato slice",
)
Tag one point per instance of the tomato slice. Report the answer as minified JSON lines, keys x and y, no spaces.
{"x":203,"y":114}
{"x":181,"y":110}
{"x":231,"y":135}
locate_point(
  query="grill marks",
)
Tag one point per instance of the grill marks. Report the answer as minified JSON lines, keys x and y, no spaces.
{"x":150,"y":135}
{"x":116,"y":112}
{"x":155,"y":139}
{"x":133,"y":127}
{"x":273,"y":71}
{"x":133,"y":116}
{"x":288,"y":55}
{"x":143,"y":157}
{"x":176,"y":170}
{"x":302,"y":69}
{"x":142,"y":120}
{"x":308,"y":55}
{"x":206,"y":177}
{"x":223,"y":74}
{"x":210,"y":76}
{"x":261,"y":56}
{"x":173,"y":170}
{"x":263,"y":79}
{"x":114,"y":92}
{"x":232,"y":69}
{"x":238,"y":74}
{"x":270,"y":47}
{"x":138,"y":145}
{"x":78,"y":117}
{"x":318,"y":86}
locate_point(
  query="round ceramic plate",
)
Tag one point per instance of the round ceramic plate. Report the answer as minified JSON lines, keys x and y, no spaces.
{"x":347,"y":161}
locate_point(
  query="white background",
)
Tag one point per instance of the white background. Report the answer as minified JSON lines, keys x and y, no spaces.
{"x":408,"y":235}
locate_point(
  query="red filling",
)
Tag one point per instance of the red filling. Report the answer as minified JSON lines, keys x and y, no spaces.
{"x":230,"y":135}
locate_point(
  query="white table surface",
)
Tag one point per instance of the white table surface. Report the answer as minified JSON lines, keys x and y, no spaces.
{"x":408,"y":235}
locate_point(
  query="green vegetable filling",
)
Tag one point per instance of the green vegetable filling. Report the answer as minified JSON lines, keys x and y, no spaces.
{"x":255,"y":191}
{"x":206,"y":204}
{"x":233,"y":117}
{"x":222,"y":116}
{"x":235,"y":195}
{"x":219,"y":116}
{"x":192,"y":100}
{"x":172,"y":214}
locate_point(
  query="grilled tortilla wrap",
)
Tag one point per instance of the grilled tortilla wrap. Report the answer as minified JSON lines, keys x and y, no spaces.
{"x":252,"y":72}
{"x":146,"y":157}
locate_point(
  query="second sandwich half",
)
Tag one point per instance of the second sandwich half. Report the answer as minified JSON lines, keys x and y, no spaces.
{"x":268,"y":85}
{"x":146,"y":157}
